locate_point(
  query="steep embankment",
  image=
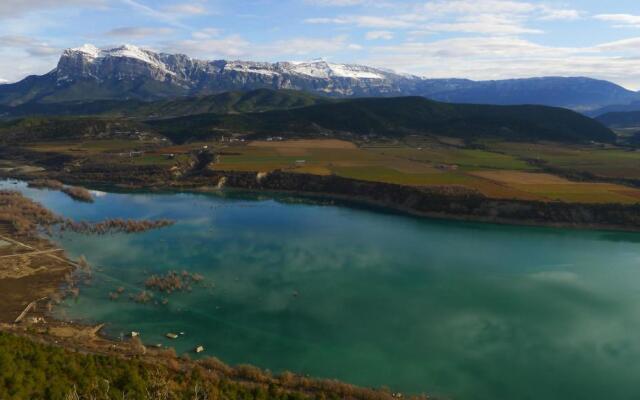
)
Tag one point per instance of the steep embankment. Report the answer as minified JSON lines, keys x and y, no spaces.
{"x":439,"y":203}
{"x":433,"y":202}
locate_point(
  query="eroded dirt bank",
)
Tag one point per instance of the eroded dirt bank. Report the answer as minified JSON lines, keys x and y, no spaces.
{"x":439,"y":202}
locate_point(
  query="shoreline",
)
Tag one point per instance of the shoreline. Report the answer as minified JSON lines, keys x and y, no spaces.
{"x":421,"y":202}
{"x":37,"y":323}
{"x":81,"y":337}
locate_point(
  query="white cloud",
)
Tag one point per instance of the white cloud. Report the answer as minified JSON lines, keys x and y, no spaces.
{"x":377,"y":35}
{"x":631,"y":45}
{"x":138,"y":32}
{"x":15,"y":8}
{"x":206,"y":33}
{"x":501,"y":8}
{"x":233,"y":46}
{"x":504,"y":57}
{"x":165,"y":16}
{"x":187,"y":9}
{"x":21,"y":56}
{"x":444,"y":7}
{"x":551,"y":14}
{"x":620,"y":20}
{"x":496,"y":17}
{"x":484,"y":24}
{"x":28,"y":45}
{"x":308,"y":46}
{"x":336,"y":3}
{"x":352,"y":3}
{"x":366,"y":21}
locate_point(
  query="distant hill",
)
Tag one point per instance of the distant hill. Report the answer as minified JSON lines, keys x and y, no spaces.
{"x":31,"y":129}
{"x":395,"y":117}
{"x":131,"y":73}
{"x":633,"y":106}
{"x":223,"y":103}
{"x":259,"y":100}
{"x":576,"y":93}
{"x":630,"y":119}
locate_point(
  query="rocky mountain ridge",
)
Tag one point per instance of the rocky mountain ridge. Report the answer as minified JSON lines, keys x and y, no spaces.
{"x":130,"y":72}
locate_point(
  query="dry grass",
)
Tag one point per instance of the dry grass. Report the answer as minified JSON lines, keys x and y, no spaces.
{"x":520,"y":177}
{"x":23,"y":214}
{"x":75,"y":192}
{"x":605,"y":162}
{"x":78,"y":193}
{"x":111,"y":226}
{"x":541,"y":186}
{"x":46,"y":184}
{"x":583,"y":192}
{"x":306,"y":144}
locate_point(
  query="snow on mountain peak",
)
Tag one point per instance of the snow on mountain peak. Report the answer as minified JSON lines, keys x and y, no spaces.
{"x":87,"y":49}
{"x":323,"y":69}
{"x":94,"y":54}
{"x":168,"y":65}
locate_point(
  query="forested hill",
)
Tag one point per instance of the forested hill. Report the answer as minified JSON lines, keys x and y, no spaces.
{"x":222,"y":103}
{"x":630,"y":119}
{"x":396,"y":117}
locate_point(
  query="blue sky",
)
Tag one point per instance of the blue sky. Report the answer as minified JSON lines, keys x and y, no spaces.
{"x":477,"y":39}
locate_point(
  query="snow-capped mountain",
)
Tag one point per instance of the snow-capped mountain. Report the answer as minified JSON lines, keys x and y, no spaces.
{"x":129,"y":62}
{"x":130,"y":72}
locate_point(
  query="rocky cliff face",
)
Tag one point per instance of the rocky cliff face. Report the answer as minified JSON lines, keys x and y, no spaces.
{"x":125,"y":72}
{"x":202,"y":77}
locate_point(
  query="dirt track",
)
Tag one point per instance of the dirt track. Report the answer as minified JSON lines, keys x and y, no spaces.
{"x":29,"y":270}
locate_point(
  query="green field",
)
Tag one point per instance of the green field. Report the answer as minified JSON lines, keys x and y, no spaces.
{"x":609,"y":162}
{"x":497,"y":170}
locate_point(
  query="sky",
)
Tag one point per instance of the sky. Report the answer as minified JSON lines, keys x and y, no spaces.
{"x":476,"y":39}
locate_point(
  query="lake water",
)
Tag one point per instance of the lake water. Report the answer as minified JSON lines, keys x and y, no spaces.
{"x":460,"y":310}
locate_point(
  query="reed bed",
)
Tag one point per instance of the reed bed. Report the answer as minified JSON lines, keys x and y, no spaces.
{"x":173,"y":281}
{"x":117,"y":225}
{"x":75,"y":192}
{"x":25,"y":216}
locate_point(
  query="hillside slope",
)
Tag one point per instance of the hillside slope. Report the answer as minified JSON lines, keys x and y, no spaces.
{"x":223,"y":103}
{"x":629,"y":119}
{"x":396,"y":117}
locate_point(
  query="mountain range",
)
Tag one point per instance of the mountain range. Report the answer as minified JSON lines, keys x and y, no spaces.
{"x":128,"y":72}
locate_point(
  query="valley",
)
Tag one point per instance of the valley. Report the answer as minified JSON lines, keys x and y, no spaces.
{"x":353,"y":224}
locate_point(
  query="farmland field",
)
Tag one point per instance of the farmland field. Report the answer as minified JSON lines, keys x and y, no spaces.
{"x":609,"y":162}
{"x":497,"y":169}
{"x":430,"y":163}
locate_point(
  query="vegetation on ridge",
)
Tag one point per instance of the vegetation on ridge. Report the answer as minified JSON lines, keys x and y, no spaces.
{"x":30,"y":370}
{"x":396,"y":117}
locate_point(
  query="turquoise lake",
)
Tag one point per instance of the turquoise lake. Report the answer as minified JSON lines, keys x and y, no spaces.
{"x":458,"y":310}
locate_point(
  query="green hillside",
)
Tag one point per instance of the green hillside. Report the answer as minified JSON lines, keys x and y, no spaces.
{"x":628,"y":119}
{"x":230,"y":103}
{"x":223,"y":103}
{"x":31,"y":129}
{"x":32,"y":370}
{"x":396,"y":117}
